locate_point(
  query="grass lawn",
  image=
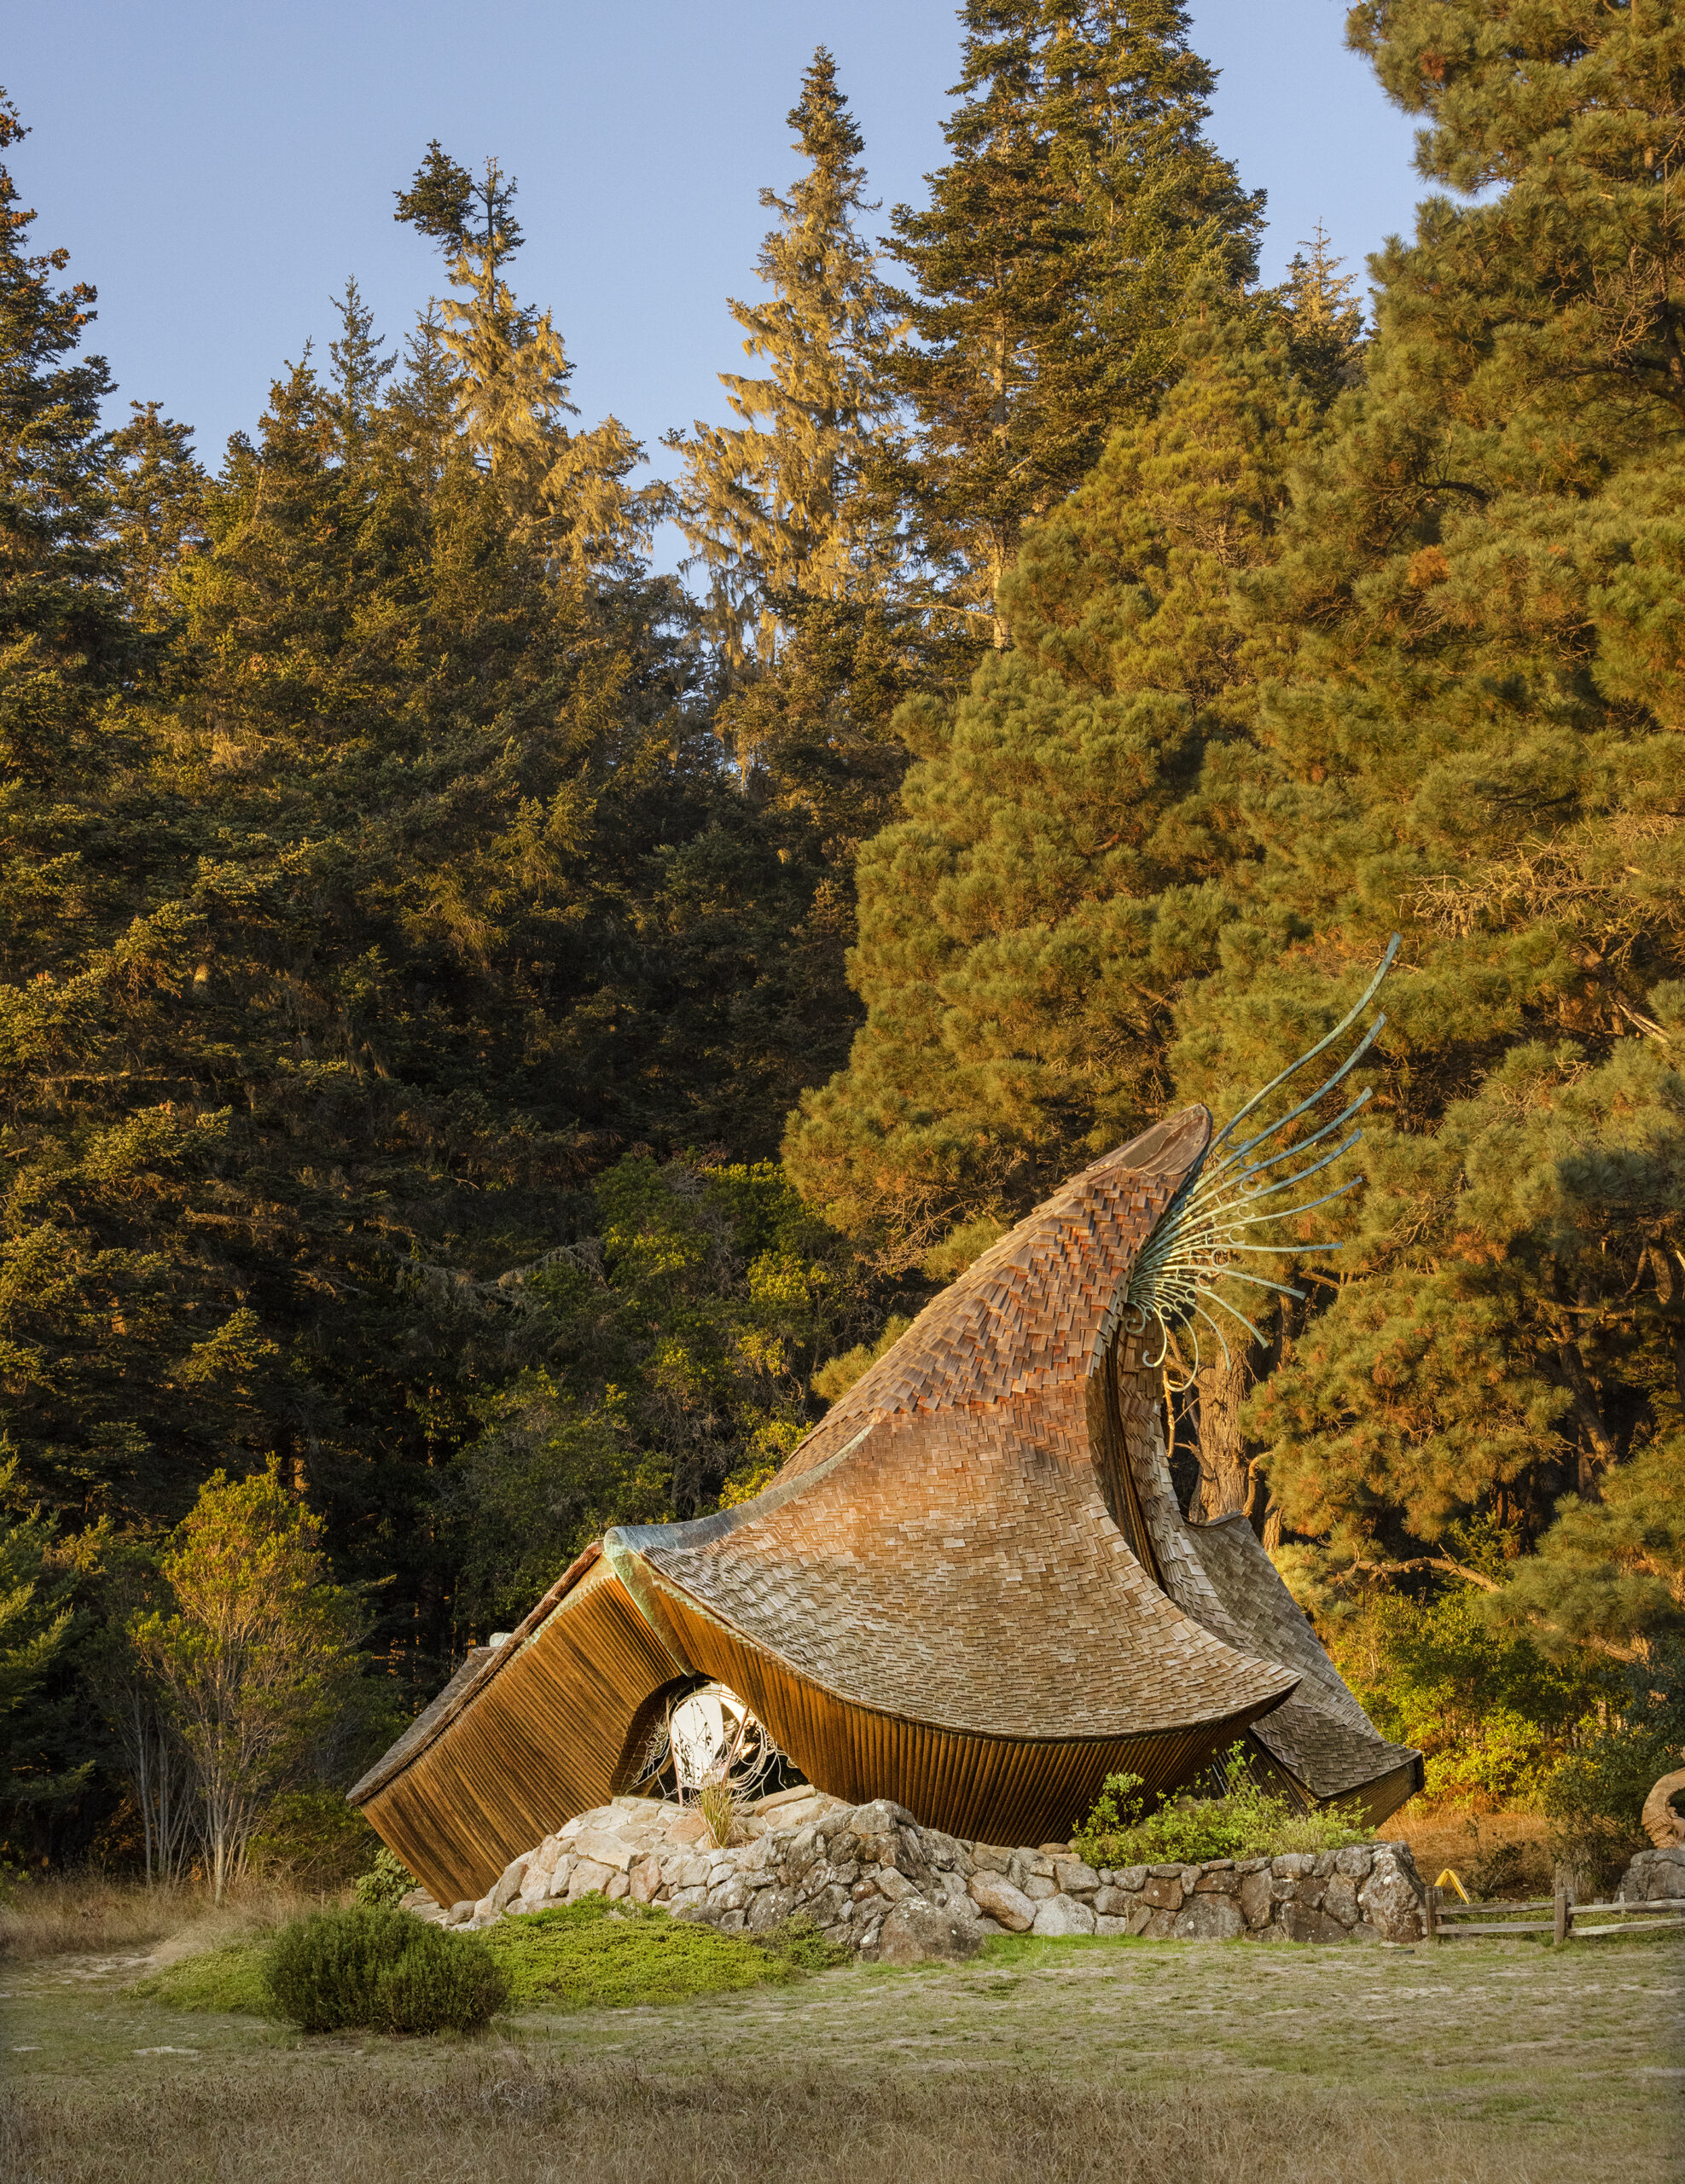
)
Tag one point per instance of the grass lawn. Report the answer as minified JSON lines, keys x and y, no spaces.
{"x":1130,"y":2062}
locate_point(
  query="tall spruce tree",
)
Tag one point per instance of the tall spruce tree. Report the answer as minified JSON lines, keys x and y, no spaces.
{"x":511,"y":375}
{"x":773,"y":506}
{"x":1062,"y":867}
{"x":1082,"y":221}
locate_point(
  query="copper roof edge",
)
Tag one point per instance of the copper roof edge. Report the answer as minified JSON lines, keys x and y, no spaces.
{"x":393,"y":1763}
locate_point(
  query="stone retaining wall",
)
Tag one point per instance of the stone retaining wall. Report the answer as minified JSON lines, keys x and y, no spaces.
{"x":870,"y":1877}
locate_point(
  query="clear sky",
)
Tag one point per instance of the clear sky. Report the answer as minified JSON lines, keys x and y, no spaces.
{"x":217,"y":170}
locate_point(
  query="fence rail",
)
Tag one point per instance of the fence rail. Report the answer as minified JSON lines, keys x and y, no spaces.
{"x":1441,"y":1920}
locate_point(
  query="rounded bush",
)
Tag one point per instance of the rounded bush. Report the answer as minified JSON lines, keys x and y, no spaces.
{"x":381,"y":1970}
{"x":443,"y":1982}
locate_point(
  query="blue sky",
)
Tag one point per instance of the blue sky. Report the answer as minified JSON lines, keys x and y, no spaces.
{"x":218,"y":170}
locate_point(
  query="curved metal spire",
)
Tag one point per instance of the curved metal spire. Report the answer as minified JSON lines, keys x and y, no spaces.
{"x":1207,"y":1226}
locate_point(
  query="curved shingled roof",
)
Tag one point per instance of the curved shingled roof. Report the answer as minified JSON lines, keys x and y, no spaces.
{"x":939,"y":1547}
{"x":970,"y":1589}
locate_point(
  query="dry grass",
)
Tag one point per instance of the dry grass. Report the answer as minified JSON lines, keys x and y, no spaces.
{"x":498,"y":2113}
{"x":89,"y":1914}
{"x":722,"y":1812}
{"x":1466,"y":1841}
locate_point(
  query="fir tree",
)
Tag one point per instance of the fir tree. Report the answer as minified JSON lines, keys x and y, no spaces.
{"x":773,"y":507}
{"x":1081,"y":220}
{"x":511,"y":375}
{"x":157,"y":496}
{"x":1325,"y":327}
{"x":60,"y":631}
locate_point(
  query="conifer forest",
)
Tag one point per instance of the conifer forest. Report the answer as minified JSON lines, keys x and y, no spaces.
{"x":496,"y":1038}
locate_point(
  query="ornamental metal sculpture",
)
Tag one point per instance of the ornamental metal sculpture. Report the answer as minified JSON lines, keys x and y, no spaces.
{"x":1212,"y":1216}
{"x":971,"y":1589}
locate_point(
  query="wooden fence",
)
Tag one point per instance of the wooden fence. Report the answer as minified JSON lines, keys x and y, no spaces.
{"x":1443,"y":1921}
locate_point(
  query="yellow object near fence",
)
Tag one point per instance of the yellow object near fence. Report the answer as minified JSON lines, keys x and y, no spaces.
{"x":1448,"y":1875}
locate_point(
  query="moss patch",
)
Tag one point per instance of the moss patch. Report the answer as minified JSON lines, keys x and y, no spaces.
{"x":587,"y":1955}
{"x":230,"y":1978}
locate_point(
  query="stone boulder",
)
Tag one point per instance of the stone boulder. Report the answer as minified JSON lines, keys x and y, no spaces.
{"x":916,"y":1932}
{"x":1655,"y":1877}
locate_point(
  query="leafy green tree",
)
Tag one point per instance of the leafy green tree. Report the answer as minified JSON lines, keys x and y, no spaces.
{"x":253,"y":1657}
{"x":1081,"y":222}
{"x":1594,"y":1795}
{"x":128,"y":1586}
{"x":1492,"y":1716}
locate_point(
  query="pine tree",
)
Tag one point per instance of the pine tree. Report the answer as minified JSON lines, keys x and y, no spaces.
{"x":1060,"y":871}
{"x":773,"y":506}
{"x":1478,"y":582}
{"x":1081,"y":221}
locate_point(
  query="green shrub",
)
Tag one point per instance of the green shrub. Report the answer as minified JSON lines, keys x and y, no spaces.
{"x":594,"y":1955}
{"x":1594,"y":1797}
{"x":1243,"y":1821}
{"x":1490,"y":1713}
{"x":443,"y":1982}
{"x":382,"y":1971}
{"x":1509,"y":1873}
{"x":385,"y":1884}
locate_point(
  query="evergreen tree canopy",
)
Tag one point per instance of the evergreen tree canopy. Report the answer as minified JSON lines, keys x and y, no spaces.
{"x":773,"y":506}
{"x":1476,"y":744}
{"x":383,"y":885}
{"x":1083,"y":220}
{"x":1062,"y":867}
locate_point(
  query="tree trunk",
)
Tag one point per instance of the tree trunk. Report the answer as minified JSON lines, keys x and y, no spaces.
{"x":1223,"y":1385}
{"x":1597,"y":1450}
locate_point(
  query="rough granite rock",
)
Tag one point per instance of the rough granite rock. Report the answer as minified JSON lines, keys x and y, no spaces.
{"x":1256,"y":1899}
{"x":1063,"y":1914}
{"x":1655,"y":1876}
{"x":994,"y":1895}
{"x":1391,"y":1898}
{"x":1210,"y":1918}
{"x":508,"y":1885}
{"x":914,"y":1932}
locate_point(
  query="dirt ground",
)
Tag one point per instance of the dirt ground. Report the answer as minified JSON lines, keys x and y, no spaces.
{"x":1139,"y":2063}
